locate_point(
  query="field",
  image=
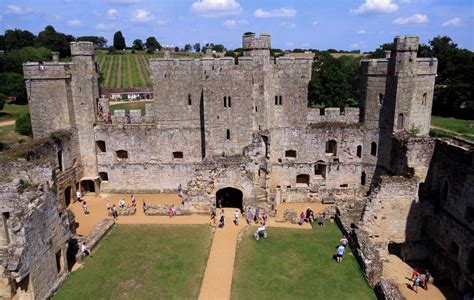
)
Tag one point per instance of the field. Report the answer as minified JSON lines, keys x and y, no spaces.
{"x":449,"y":127}
{"x":143,"y":262}
{"x":12,"y":111}
{"x":297,"y":264}
{"x":127,"y":70}
{"x":129,"y":105}
{"x":8,"y":116}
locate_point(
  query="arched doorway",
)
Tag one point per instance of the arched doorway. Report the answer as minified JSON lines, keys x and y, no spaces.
{"x":230,"y":197}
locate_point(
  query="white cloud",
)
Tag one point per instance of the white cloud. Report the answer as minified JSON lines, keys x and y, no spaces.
{"x":142,"y":16}
{"x":284,"y":12}
{"x":414,"y":19}
{"x":375,"y":7}
{"x":456,"y":21}
{"x":74,"y":22}
{"x":361,"y":31}
{"x":287,"y":25}
{"x":358,"y":45}
{"x":230,"y":24}
{"x":104,"y":27}
{"x":315,"y":23}
{"x":112,"y":14}
{"x":216,"y":8}
{"x":162,"y":22}
{"x":17,"y":10}
{"x":123,"y":2}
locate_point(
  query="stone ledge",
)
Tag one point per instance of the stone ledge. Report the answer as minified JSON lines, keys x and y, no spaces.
{"x":93,"y":238}
{"x":126,"y":211}
{"x":162,"y":210}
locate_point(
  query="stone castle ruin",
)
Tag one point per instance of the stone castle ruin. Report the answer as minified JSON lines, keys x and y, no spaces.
{"x":241,"y":131}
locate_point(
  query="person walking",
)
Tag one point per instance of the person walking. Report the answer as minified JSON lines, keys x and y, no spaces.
{"x":264,"y":219}
{"x":78,"y":196}
{"x":416,"y":283}
{"x":257,"y":215}
{"x":249,"y":215}
{"x":221,"y":219}
{"x":85,"y":209}
{"x":213,"y":214}
{"x":180,"y":190}
{"x":114,"y":212}
{"x":236,"y":217}
{"x":426,"y":281}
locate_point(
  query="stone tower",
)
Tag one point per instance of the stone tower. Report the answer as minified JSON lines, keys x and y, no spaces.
{"x":253,"y":46}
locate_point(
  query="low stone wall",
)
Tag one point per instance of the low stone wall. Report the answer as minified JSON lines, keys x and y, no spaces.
{"x":126,"y":211}
{"x":162,"y":210}
{"x":93,"y":238}
{"x":386,"y":289}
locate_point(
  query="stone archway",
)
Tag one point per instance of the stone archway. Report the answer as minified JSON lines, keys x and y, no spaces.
{"x":230,"y":197}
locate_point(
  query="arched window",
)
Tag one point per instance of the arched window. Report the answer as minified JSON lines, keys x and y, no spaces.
{"x":373,"y":149}
{"x":423,"y":100}
{"x":228,"y":134}
{"x":359,"y":151}
{"x":400,"y":121}
{"x":189,"y":99}
{"x":302,"y":179}
{"x":320,"y":169}
{"x":331,"y":147}
{"x":100,"y":146}
{"x":104,"y":176}
{"x":362,"y":179}
{"x":290,"y":153}
{"x":122,"y":153}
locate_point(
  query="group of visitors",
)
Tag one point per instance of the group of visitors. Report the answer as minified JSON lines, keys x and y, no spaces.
{"x":309,"y":217}
{"x":171,"y":210}
{"x":417,"y":280}
{"x":252,"y":216}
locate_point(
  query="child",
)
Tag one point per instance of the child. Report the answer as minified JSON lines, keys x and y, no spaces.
{"x":84,"y":208}
{"x":236,"y":217}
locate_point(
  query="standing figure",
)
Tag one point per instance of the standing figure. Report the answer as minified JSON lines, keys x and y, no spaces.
{"x":416,"y":283}
{"x":322,"y":220}
{"x":84,"y":208}
{"x":180,"y":190}
{"x":340,"y":253}
{"x":426,"y":281}
{"x":301,"y":221}
{"x":249,"y":215}
{"x":236,"y":217}
{"x":213,"y":214}
{"x":85,"y":250}
{"x":114,"y":212}
{"x":264,"y":219}
{"x":79,"y":195}
{"x":133,"y":199}
{"x":221,"y":219}
{"x":257,"y":215}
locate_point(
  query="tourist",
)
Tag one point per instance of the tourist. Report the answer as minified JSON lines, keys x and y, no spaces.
{"x":221,"y":219}
{"x":85,"y":250}
{"x":144,"y":205}
{"x":79,"y":196}
{"x":219,"y":202}
{"x":426,"y":281}
{"x":322,"y":220}
{"x":343,"y":241}
{"x":416,"y":283}
{"x":109,"y":117}
{"x":257,"y":215}
{"x":173,"y":210}
{"x":213,"y":214}
{"x":84,"y":208}
{"x":340,"y":253}
{"x":264,"y":219}
{"x":309,"y":216}
{"x":121,"y":203}
{"x":249,"y":215}
{"x":107,"y":204}
{"x":414,"y":274}
{"x":180,"y":191}
{"x":114,"y":212}
{"x":169,"y":211}
{"x":129,"y":119}
{"x":301,"y":221}
{"x":236,"y":217}
{"x":133,"y":200}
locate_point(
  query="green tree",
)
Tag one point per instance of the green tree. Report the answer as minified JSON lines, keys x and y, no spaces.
{"x":137,"y":44}
{"x":17,"y":39}
{"x":55,"y":41}
{"x":152,"y":43}
{"x":99,"y":41}
{"x":13,"y":60}
{"x":380,"y":51}
{"x":119,"y":41}
{"x":197,"y":47}
{"x":333,"y":81}
{"x":23,"y":124}
{"x":188,"y":47}
{"x":13,"y":84}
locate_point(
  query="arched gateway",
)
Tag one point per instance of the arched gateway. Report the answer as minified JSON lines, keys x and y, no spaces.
{"x":230,"y":197}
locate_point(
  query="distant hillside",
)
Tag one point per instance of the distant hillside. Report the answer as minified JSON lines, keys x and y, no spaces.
{"x":129,"y":70}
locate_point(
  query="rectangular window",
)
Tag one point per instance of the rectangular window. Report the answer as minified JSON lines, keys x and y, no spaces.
{"x":229,"y":103}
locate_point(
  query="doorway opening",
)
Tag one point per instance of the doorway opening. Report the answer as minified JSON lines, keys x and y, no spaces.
{"x":67,"y":196}
{"x":229,"y":197}
{"x":88,"y":186}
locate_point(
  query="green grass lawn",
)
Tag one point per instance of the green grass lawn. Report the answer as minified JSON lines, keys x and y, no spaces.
{"x":130,"y":105}
{"x":143,"y":262}
{"x":449,"y":127}
{"x":12,"y":111}
{"x":297,"y":264}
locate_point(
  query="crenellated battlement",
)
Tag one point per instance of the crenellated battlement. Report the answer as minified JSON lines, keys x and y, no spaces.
{"x":250,"y":42}
{"x":348,"y":115}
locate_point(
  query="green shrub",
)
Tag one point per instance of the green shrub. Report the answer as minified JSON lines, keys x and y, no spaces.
{"x":23,"y":124}
{"x":2,"y":101}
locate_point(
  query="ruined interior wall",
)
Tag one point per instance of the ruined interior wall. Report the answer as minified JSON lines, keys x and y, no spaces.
{"x":448,"y":189}
{"x":37,"y":226}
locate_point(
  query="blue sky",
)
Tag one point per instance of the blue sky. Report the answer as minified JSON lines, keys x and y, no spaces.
{"x":320,"y":24}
